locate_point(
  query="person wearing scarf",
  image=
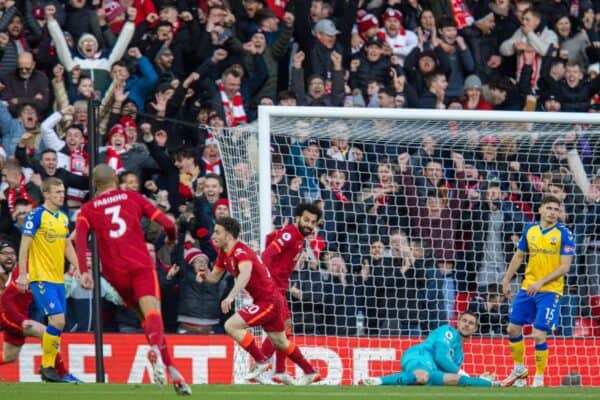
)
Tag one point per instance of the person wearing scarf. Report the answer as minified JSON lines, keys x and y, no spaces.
{"x":400,"y":40}
{"x":117,"y":142}
{"x":231,"y":98}
{"x":18,"y":187}
{"x":534,"y":37}
{"x":211,"y":158}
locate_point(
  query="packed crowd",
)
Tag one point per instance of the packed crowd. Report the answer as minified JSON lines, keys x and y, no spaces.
{"x":166,"y":74}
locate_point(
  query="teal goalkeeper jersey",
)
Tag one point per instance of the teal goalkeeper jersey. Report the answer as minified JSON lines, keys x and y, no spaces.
{"x":444,"y":346}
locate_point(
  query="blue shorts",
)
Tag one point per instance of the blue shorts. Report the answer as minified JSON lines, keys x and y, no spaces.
{"x":49,"y":297}
{"x":541,"y":309}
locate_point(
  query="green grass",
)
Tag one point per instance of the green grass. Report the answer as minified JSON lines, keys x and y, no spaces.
{"x":46,"y":391}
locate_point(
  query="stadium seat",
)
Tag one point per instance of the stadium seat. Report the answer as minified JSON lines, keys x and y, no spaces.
{"x":586,"y":327}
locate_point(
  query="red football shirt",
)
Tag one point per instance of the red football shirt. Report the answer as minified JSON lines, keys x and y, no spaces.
{"x":14,"y":305}
{"x":260,"y":286}
{"x":115,"y":217}
{"x":282,"y":251}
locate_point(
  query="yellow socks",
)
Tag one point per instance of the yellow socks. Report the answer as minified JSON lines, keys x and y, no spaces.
{"x":517,"y":349}
{"x":50,"y":346}
{"x":541,"y":358}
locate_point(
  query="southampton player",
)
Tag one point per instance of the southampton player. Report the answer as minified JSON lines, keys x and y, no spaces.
{"x":280,"y":256}
{"x":115,"y":216}
{"x":251,"y":275}
{"x":44,"y":246}
{"x":550,"y":248}
{"x":16,"y":326}
{"x":437,"y":361}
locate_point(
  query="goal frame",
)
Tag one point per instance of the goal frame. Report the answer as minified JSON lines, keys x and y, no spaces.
{"x":266,"y":112}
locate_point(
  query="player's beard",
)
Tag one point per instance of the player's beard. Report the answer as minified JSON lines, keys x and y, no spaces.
{"x":304,"y":230}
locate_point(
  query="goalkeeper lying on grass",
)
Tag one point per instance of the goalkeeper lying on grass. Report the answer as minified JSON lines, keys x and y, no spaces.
{"x":437,"y":360}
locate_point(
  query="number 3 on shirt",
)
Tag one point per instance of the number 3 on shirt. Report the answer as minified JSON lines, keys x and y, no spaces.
{"x":116,"y":220}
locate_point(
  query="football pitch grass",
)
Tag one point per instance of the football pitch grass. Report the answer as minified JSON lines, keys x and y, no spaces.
{"x":41,"y":391}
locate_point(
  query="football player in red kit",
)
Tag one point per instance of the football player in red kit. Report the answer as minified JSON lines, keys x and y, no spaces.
{"x":16,"y":326}
{"x":251,"y":275}
{"x":115,"y":216}
{"x":283,"y":247}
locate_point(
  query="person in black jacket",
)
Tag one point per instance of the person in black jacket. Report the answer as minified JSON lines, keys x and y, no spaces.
{"x":371,"y":64}
{"x":492,"y":308}
{"x":47,"y":167}
{"x":199,"y":303}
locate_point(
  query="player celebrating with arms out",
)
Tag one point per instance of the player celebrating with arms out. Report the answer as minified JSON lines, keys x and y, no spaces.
{"x":550,"y":248}
{"x":250,"y":274}
{"x":280,"y":257}
{"x":437,"y":361}
{"x":115,"y":216}
{"x":44,"y":246}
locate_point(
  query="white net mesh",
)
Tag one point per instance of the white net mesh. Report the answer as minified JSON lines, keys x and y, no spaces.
{"x":420,"y":222}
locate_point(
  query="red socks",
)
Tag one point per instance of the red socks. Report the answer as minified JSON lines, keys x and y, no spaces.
{"x":154,"y":330}
{"x":60,"y":366}
{"x":267,"y":347}
{"x":280,"y":358}
{"x":293,"y":352}
{"x":249,"y":344}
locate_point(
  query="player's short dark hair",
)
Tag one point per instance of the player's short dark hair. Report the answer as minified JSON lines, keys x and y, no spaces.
{"x":471,"y":313}
{"x":309,"y":207}
{"x":550,"y":199}
{"x":231,"y":225}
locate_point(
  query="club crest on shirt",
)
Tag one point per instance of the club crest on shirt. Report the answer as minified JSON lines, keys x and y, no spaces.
{"x":553,"y":241}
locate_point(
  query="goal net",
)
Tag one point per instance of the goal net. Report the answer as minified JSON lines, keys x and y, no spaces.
{"x":422,"y":212}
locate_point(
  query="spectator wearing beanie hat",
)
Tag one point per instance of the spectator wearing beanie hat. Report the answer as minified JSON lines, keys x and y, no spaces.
{"x":130,"y":127}
{"x":122,"y":156}
{"x":115,"y":16}
{"x":199,"y":306}
{"x":400,"y":40}
{"x":367,"y":25}
{"x":94,"y":64}
{"x":221,"y":208}
{"x":473,"y":98}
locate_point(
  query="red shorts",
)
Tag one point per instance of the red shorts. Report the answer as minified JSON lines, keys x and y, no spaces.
{"x":265,"y":314}
{"x":133,"y":284}
{"x":12,"y":331}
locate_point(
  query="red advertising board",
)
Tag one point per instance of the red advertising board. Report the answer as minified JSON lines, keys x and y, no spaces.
{"x":341,"y":360}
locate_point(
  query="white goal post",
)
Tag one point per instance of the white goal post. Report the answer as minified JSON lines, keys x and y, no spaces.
{"x":361,"y":329}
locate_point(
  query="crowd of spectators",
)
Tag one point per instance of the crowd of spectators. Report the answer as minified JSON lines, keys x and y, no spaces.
{"x":431,"y":224}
